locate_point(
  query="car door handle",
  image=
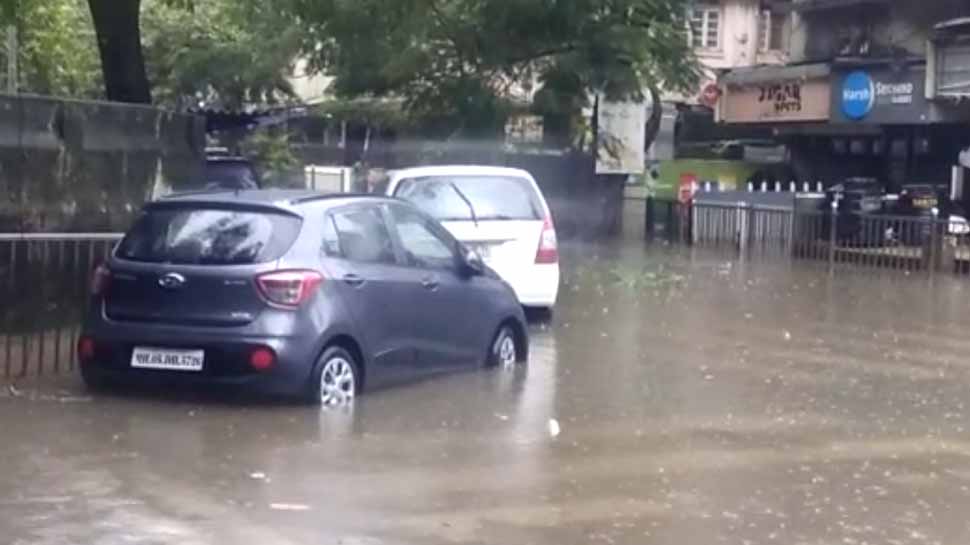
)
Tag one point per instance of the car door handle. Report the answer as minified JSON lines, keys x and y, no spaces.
{"x":354,"y":280}
{"x":430,"y":283}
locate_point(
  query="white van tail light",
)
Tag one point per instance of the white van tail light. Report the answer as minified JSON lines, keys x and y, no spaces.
{"x":548,"y":247}
{"x":288,"y":289}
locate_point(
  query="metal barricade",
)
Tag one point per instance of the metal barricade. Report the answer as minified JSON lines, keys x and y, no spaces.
{"x":44,"y":287}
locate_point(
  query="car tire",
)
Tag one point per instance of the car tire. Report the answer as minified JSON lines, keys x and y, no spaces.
{"x":336,"y":379}
{"x":504,"y":349}
{"x":541,"y":315}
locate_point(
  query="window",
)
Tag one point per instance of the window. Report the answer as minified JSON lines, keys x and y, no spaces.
{"x":454,"y":198}
{"x":771,"y":29}
{"x":422,"y":245}
{"x":331,"y":241}
{"x":208,"y":236}
{"x":705,"y":26}
{"x":363,"y":236}
{"x":953,"y":69}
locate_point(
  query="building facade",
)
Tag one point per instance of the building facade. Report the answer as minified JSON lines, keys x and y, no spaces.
{"x":727,"y":34}
{"x":868,"y":88}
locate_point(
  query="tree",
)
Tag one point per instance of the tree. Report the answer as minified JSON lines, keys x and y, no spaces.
{"x":118,"y":30}
{"x":56,"y":51}
{"x":457,"y":61}
{"x":220,"y":53}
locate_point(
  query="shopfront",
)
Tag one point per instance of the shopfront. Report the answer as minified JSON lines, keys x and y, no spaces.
{"x":852,"y":119}
{"x":890,"y":126}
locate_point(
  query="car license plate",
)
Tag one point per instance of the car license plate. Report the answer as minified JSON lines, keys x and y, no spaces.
{"x":167,"y":359}
{"x":924,"y":203}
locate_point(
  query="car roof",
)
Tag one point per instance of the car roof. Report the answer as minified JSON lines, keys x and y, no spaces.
{"x":227,"y":159}
{"x":459,"y":170}
{"x":280,"y":199}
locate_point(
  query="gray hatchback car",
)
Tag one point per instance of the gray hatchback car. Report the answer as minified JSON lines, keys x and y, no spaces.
{"x":293,"y":293}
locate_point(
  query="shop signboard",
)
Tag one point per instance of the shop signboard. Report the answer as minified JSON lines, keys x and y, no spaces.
{"x":881,"y":95}
{"x":622,"y":137}
{"x":776,"y":101}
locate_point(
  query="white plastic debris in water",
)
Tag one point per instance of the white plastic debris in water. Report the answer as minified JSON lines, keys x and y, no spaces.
{"x":788,"y":335}
{"x":554,"y":428}
{"x":289,"y":507}
{"x":257,"y":476}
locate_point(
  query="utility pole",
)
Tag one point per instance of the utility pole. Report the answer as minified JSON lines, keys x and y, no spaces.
{"x":12,"y":59}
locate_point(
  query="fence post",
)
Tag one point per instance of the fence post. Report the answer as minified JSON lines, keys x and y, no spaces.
{"x":934,"y":250}
{"x":833,"y":228}
{"x":649,"y":221}
{"x":671,"y":222}
{"x":742,"y":223}
{"x":684,"y":223}
{"x":691,"y":230}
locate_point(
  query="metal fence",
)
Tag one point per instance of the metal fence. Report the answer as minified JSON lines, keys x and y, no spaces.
{"x":44,"y":287}
{"x":913,"y":243}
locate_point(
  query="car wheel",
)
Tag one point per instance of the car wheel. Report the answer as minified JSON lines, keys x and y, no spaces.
{"x":541,"y":315}
{"x":504,"y":351}
{"x":336,"y":379}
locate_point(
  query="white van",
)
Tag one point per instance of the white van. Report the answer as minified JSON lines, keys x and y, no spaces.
{"x":498,"y":212}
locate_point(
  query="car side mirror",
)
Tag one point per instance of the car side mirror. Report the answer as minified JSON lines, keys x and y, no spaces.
{"x":471,"y":262}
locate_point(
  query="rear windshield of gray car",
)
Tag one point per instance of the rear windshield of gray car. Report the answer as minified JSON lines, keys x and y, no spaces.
{"x":208,"y":236}
{"x":452,"y":198}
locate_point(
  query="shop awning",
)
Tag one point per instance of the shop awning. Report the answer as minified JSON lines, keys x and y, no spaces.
{"x":827,"y":129}
{"x":756,"y":75}
{"x":820,"y":5}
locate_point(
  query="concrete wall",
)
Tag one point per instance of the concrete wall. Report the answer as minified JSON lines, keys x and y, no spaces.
{"x":88,"y":166}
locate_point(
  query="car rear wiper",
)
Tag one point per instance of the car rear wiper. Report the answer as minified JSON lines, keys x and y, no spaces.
{"x":468,"y":202}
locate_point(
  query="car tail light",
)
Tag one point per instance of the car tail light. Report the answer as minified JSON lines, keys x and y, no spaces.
{"x":86,"y":349}
{"x":100,"y":280}
{"x":262,"y":359}
{"x":548,"y":247}
{"x":288,"y":289}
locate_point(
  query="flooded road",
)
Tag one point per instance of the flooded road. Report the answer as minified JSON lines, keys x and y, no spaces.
{"x":674,"y":398}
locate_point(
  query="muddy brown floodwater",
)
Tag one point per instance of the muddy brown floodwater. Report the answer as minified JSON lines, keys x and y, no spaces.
{"x":676,"y":398}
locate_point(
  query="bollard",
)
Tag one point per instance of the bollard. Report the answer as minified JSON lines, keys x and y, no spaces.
{"x":805,"y":187}
{"x":833,"y":227}
{"x":792,"y":187}
{"x":818,"y":187}
{"x":764,"y":186}
{"x":750,"y":187}
{"x":777,"y":187}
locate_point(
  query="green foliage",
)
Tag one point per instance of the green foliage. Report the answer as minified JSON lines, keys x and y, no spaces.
{"x":270,"y":149}
{"x":57,"y":50}
{"x":220,"y":53}
{"x":456,"y":61}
